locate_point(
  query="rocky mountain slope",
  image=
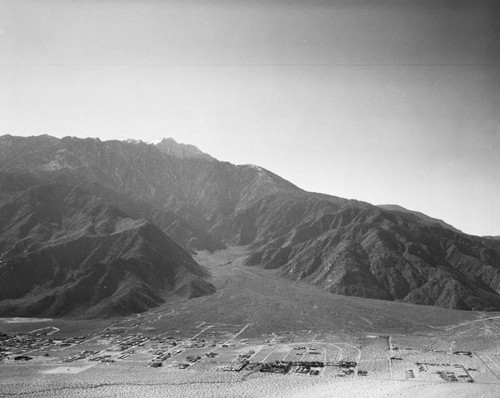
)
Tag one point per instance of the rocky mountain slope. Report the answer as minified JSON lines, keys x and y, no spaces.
{"x":65,"y":251}
{"x":421,"y":216}
{"x":369,"y":252}
{"x":343,"y":246}
{"x":199,"y":191}
{"x":181,"y":151}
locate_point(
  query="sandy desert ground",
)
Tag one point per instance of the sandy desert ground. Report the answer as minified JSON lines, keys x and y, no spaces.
{"x":367,"y":348}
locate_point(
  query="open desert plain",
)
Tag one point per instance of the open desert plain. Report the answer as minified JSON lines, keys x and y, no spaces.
{"x":259,"y":335}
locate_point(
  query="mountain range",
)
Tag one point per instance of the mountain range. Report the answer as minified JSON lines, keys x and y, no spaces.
{"x":100,"y":228}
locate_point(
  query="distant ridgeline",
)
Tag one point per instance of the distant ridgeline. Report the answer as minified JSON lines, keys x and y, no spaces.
{"x":97,"y":228}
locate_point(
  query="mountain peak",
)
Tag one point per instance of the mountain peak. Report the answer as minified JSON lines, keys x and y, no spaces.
{"x":181,"y":151}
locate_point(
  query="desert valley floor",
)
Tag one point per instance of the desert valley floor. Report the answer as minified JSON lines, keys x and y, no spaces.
{"x":258,"y":335}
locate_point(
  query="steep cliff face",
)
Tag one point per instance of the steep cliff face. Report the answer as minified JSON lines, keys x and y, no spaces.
{"x":343,"y":246}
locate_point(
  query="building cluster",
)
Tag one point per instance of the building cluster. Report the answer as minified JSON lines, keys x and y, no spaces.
{"x":276,"y":367}
{"x":102,"y":358}
{"x":81,"y":355}
{"x":20,"y":343}
{"x":452,"y":376}
{"x":135,"y":340}
{"x":245,"y":356}
{"x":312,"y":368}
{"x":447,"y":371}
{"x":161,"y":348}
{"x":235,"y":367}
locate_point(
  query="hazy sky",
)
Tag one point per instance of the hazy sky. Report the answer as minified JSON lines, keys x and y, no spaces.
{"x":390,"y":101}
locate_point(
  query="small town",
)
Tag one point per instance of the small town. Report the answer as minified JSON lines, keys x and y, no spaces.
{"x":225,"y":348}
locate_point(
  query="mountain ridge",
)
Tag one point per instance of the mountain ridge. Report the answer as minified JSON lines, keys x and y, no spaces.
{"x":420,"y":215}
{"x":68,"y":252}
{"x":179,"y":150}
{"x":340,"y":245}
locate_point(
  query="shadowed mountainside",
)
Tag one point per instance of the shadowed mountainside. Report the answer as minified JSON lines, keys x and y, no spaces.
{"x":343,"y":246}
{"x":67,"y":252}
{"x":381,"y":254}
